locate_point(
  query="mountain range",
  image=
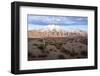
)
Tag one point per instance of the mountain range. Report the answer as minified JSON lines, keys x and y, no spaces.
{"x":41,"y":33}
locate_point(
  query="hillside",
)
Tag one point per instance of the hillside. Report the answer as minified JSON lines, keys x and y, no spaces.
{"x":57,"y":44}
{"x":55,"y":33}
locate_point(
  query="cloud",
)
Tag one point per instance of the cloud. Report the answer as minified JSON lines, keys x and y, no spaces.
{"x":57,"y":20}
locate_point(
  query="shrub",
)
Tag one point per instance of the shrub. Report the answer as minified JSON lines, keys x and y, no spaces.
{"x":65,"y":51}
{"x":84,"y":53}
{"x":61,"y":57}
{"x":41,"y":47}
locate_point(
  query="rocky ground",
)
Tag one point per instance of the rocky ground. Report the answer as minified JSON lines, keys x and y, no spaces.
{"x":57,"y":48}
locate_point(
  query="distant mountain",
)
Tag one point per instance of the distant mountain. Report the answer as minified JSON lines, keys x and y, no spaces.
{"x":55,"y":32}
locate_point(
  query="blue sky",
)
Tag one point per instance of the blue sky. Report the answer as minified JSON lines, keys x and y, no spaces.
{"x":66,"y":22}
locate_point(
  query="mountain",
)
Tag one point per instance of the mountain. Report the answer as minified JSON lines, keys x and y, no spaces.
{"x":55,"y":32}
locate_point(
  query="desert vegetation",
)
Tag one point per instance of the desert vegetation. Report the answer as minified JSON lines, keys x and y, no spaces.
{"x":50,"y":45}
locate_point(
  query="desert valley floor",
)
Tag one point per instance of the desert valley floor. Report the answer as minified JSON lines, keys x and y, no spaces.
{"x":72,"y":45}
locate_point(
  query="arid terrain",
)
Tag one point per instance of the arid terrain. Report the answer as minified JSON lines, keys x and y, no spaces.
{"x":51,"y":45}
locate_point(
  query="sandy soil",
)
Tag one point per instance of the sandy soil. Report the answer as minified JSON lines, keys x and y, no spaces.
{"x":51,"y":48}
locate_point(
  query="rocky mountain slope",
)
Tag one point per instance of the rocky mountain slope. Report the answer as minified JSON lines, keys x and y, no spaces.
{"x":55,"y":33}
{"x":57,"y":44}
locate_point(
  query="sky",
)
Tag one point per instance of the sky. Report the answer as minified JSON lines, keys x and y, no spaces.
{"x":65,"y":22}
